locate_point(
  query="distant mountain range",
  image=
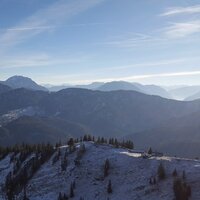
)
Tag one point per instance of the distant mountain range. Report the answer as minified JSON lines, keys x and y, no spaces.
{"x":118,"y":85}
{"x":146,"y":89}
{"x":183,"y":92}
{"x":173,"y":92}
{"x":193,"y":97}
{"x":149,"y":120}
{"x":116,"y":109}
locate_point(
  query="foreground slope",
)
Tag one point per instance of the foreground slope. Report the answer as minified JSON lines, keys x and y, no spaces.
{"x":129,"y":175}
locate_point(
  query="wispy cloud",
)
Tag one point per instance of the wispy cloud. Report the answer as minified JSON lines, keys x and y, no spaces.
{"x":160,"y":75}
{"x":39,"y":60}
{"x":184,"y":28}
{"x":44,"y":28}
{"x":180,"y":30}
{"x":131,"y":40}
{"x":44,"y":20}
{"x":182,"y":10}
{"x":162,"y":36}
{"x":28,"y":28}
{"x":150,"y":64}
{"x":145,"y":76}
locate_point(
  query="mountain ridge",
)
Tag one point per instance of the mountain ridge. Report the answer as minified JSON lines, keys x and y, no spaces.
{"x":17,"y":82}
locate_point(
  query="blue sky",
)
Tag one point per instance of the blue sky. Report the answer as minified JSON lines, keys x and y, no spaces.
{"x":82,"y":41}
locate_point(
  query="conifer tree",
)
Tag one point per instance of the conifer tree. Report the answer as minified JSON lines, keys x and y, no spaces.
{"x":64,"y":163}
{"x":71,"y":142}
{"x":154,"y":180}
{"x":60,"y":196}
{"x":183,"y":175}
{"x":161,"y":172}
{"x":182,"y":191}
{"x":93,"y":139}
{"x":25,"y":196}
{"x":89,"y":138}
{"x":71,"y":191}
{"x":65,"y":197}
{"x":106,"y":167}
{"x":85,"y":138}
{"x":189,"y":191}
{"x":150,"y":151}
{"x":109,"y":188}
{"x":74,"y":184}
{"x":175,"y":174}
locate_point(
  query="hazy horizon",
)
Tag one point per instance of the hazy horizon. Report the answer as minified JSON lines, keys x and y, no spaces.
{"x":46,"y":84}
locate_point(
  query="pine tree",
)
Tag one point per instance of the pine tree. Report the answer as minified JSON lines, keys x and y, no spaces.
{"x":183,"y":175}
{"x":25,"y":196}
{"x":60,"y":196}
{"x":102,"y":140}
{"x":106,"y":167}
{"x":85,"y":138}
{"x":65,"y":197}
{"x":154,"y":180}
{"x":64,"y":162}
{"x":93,"y":138}
{"x":89,"y":138}
{"x":175,"y":174}
{"x":109,"y":188}
{"x":150,"y":151}
{"x":71,"y":142}
{"x":71,"y":191}
{"x":161,"y":172}
{"x":74,"y":185}
{"x":189,"y":191}
{"x":181,"y":190}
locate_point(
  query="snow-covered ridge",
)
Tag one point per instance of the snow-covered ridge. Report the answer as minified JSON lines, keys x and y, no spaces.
{"x":129,"y":174}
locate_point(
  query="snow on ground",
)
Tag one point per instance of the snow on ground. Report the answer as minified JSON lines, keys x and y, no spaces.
{"x":129,"y":173}
{"x":5,"y":168}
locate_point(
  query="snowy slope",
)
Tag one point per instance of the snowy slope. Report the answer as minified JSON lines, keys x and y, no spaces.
{"x":128,"y":172}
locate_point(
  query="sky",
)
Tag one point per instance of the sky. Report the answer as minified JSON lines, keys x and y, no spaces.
{"x":83,"y":41}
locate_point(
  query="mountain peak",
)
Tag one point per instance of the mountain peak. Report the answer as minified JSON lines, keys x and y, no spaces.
{"x":23,"y":82}
{"x":17,"y":77}
{"x":118,"y":85}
